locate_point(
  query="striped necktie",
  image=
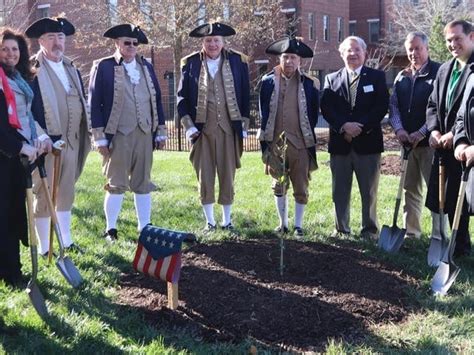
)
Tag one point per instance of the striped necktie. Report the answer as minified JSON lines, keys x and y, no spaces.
{"x":353,"y":83}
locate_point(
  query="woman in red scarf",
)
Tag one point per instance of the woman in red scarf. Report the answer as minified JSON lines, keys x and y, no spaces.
{"x":13,"y":144}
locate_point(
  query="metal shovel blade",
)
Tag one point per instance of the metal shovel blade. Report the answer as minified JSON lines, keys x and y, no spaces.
{"x":436,"y":250}
{"x":391,"y":238}
{"x":37,"y":299}
{"x":69,"y":271}
{"x":444,"y":277}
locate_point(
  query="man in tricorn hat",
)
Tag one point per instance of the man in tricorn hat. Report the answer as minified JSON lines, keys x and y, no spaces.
{"x":127,"y":123}
{"x":289,"y":106}
{"x":213,"y":106}
{"x":59,"y":106}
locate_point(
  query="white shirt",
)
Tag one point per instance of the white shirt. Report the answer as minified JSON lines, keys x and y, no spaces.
{"x":213,"y":66}
{"x":132,"y":71}
{"x":357,"y":71}
{"x":58,"y":68}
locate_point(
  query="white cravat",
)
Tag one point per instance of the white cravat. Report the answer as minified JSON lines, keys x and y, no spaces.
{"x":132,"y":71}
{"x":213,"y":66}
{"x":58,"y":68}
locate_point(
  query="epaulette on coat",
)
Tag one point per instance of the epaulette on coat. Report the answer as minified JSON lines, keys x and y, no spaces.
{"x":184,"y":60}
{"x":245,"y":58}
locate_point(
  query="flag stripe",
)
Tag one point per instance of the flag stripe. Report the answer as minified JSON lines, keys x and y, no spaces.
{"x":164,"y":268}
{"x":137,"y":256}
{"x":158,"y":267}
{"x":142,"y":259}
{"x":147,"y":263}
{"x":171,"y":268}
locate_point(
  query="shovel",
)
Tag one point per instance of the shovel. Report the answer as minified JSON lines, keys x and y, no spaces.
{"x":391,"y":238}
{"x":439,"y":239}
{"x":64,"y":263}
{"x":58,"y":146}
{"x":447,"y":270}
{"x":32,"y":289}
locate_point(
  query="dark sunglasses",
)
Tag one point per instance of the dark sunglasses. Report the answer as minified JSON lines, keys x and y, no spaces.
{"x":129,"y":43}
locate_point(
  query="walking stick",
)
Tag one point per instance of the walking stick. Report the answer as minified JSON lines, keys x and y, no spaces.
{"x":58,"y":146}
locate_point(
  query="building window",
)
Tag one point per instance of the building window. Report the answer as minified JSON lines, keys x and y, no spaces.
{"x":340,"y":29}
{"x":43,"y":10}
{"x":326,"y":28}
{"x":311,"y":26}
{"x":113,"y":12}
{"x":415,"y":2}
{"x":374,"y":30}
{"x":201,"y":13}
{"x":226,"y":11}
{"x":352,"y":28}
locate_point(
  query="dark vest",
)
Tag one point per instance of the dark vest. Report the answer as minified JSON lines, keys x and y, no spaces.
{"x":413,"y":98}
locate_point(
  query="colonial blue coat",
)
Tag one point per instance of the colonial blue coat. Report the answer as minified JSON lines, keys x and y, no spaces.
{"x":104,"y":95}
{"x":188,"y":90}
{"x":311,"y":110}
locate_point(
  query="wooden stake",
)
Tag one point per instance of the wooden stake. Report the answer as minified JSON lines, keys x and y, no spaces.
{"x":172,"y":295}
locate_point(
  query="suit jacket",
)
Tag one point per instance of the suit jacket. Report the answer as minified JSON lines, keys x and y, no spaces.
{"x":443,"y":120}
{"x":465,"y":130}
{"x":438,"y":118}
{"x":370,"y":108}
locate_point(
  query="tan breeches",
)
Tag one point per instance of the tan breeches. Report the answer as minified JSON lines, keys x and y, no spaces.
{"x":218,"y":152}
{"x":129,"y":164}
{"x":298,"y":165}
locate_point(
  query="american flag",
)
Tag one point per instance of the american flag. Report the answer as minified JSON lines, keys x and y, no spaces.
{"x":159,"y":253}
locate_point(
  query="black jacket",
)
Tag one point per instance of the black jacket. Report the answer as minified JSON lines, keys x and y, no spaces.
{"x":370,"y":108}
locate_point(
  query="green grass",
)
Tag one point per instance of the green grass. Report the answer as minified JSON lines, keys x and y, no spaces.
{"x":91,"y":321}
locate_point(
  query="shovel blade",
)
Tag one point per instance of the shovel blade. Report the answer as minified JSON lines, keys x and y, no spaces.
{"x":437,"y":249}
{"x":69,"y":271}
{"x":444,"y":278}
{"x":391,"y":238}
{"x":37,"y":299}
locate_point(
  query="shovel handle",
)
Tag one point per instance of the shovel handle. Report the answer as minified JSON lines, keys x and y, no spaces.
{"x":442,"y":181}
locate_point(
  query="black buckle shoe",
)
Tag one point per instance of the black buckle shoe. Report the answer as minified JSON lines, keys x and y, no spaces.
{"x":228,"y":227}
{"x":281,"y":230}
{"x":209,"y":228}
{"x":74,"y":248}
{"x":111,"y":235}
{"x":298,"y":232}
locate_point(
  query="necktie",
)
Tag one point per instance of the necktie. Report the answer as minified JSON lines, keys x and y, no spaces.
{"x":354,"y":81}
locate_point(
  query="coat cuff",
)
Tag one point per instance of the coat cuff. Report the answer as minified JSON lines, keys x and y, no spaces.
{"x":187,"y":122}
{"x":98,"y":133}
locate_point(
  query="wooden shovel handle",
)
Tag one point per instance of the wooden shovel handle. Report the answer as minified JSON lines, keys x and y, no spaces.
{"x":54,"y":184}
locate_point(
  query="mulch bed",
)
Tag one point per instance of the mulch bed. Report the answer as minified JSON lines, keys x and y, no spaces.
{"x":233,"y":291}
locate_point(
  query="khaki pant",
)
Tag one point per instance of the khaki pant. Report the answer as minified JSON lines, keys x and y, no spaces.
{"x":418,"y":169}
{"x":216,"y":153}
{"x":129,"y":164}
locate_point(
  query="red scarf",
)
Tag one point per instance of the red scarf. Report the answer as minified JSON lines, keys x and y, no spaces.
{"x":10,"y":98}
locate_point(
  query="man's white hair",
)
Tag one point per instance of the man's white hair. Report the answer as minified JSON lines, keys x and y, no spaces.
{"x":347,"y":42}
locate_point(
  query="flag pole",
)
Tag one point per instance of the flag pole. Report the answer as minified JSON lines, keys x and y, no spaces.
{"x":173,"y":295}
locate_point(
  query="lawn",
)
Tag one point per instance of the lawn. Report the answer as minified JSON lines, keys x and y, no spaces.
{"x":95,"y":319}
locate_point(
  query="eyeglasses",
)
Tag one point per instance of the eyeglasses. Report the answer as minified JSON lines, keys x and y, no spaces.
{"x":129,"y":43}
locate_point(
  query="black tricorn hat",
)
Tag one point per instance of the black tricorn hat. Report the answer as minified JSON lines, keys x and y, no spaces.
{"x":289,"y":45}
{"x":127,"y":30}
{"x":50,"y":24}
{"x":212,"y":29}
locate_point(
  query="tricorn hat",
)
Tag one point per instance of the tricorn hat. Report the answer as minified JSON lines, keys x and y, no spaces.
{"x":289,"y":45}
{"x":212,"y":29}
{"x":127,"y":30}
{"x":50,"y":24}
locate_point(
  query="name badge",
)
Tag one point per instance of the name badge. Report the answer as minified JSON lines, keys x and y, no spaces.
{"x":368,"y":88}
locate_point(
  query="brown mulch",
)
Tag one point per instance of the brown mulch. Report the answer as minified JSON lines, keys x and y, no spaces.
{"x":233,"y":291}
